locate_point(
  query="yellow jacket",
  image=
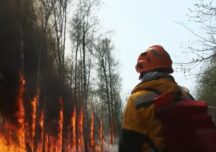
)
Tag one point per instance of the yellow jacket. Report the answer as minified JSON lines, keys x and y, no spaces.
{"x":143,"y":120}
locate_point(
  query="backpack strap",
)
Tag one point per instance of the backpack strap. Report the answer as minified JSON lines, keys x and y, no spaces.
{"x":184,"y":94}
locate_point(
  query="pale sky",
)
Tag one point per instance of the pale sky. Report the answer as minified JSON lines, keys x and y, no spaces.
{"x":137,"y":24}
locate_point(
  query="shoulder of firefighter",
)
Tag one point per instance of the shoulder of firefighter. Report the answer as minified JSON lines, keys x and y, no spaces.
{"x":141,"y":130}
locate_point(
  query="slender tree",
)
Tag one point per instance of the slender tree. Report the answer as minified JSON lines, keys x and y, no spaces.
{"x":109,"y":84}
{"x":83,"y":29}
{"x":203,"y":14}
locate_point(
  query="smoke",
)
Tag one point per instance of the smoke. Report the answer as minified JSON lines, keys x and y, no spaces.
{"x":110,"y":148}
{"x":9,"y":84}
{"x":9,"y":37}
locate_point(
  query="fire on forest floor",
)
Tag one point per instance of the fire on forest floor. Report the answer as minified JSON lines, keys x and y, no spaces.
{"x":32,"y":137}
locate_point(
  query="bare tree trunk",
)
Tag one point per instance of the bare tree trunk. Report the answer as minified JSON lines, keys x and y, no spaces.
{"x":108,"y":100}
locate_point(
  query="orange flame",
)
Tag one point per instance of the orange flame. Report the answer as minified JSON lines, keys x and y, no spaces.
{"x":53,"y":144}
{"x":60,"y":123}
{"x":92,"y":142}
{"x":33,"y":125}
{"x":41,"y":125}
{"x":101,"y":136}
{"x":21,"y":114}
{"x":112,"y":133}
{"x":12,"y":138}
{"x":73,"y":127}
{"x":80,"y":131}
{"x":22,"y":138}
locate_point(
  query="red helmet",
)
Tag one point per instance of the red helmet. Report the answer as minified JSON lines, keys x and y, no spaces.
{"x":154,"y":58}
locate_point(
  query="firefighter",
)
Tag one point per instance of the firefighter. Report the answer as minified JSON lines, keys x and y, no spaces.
{"x":141,"y":130}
